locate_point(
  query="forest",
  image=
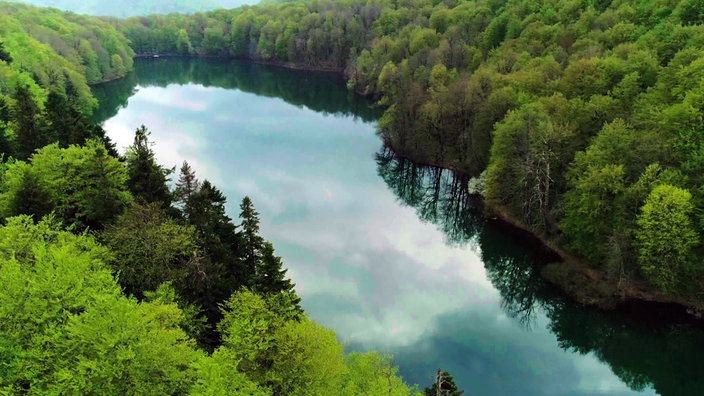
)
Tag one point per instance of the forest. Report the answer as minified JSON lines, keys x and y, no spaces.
{"x":128,"y":8}
{"x":582,"y":118}
{"x":117,"y":280}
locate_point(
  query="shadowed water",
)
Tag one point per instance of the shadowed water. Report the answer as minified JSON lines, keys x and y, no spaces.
{"x":392,"y":255}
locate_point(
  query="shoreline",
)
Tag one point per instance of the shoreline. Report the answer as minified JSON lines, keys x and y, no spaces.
{"x":286,"y":65}
{"x":589,"y":286}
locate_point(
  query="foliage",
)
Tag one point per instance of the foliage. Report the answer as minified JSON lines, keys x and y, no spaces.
{"x":135,"y":7}
{"x":447,"y":386}
{"x":83,"y":186}
{"x":152,"y":249}
{"x":666,"y":237}
{"x":68,"y":329}
{"x":292,"y":355}
{"x":373,"y":374}
{"x":147,"y":180}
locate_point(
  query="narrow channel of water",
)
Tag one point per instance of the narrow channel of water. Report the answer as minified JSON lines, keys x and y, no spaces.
{"x":392,"y":255}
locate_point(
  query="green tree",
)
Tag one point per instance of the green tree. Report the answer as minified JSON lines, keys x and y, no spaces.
{"x":118,"y":66}
{"x":152,"y":249}
{"x":288,"y":354}
{"x":248,"y":331}
{"x":26,"y":114}
{"x":666,"y":237}
{"x":147,"y":180}
{"x":270,"y":277}
{"x":183,"y":43}
{"x":373,"y":374}
{"x":252,"y":242}
{"x":67,"y":328}
{"x":218,"y":375}
{"x":85,"y":187}
{"x":308,"y":361}
{"x":31,"y":196}
{"x":593,"y":211}
{"x":4,"y":55}
{"x":447,"y":385}
{"x":65,"y":124}
{"x":186,"y":186}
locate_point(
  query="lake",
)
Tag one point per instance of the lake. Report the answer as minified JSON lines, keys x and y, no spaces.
{"x":393,"y":255}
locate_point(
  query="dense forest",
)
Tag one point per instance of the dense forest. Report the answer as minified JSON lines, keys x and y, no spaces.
{"x":582,"y":118}
{"x":579,"y":118}
{"x":118,"y":281}
{"x":128,"y":8}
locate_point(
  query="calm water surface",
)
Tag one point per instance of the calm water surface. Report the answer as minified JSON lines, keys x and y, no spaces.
{"x":390,"y":254}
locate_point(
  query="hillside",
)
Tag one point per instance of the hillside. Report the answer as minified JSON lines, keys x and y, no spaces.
{"x":129,"y":8}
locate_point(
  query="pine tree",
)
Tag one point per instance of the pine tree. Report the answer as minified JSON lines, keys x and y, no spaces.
{"x":205,"y":211}
{"x":28,"y":134}
{"x":31,"y":198}
{"x":218,"y":260}
{"x":98,"y":132}
{"x":147,"y":180}
{"x":252,"y":243}
{"x":270,"y":277}
{"x":186,"y":186}
{"x":447,"y":386}
{"x":64,"y":123}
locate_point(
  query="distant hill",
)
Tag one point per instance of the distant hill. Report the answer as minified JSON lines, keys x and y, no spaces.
{"x":127,"y":8}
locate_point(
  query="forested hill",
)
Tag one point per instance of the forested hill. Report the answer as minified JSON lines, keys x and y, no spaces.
{"x":126,"y":8}
{"x":115,"y":282}
{"x":586,"y":114}
{"x":58,"y":51}
{"x":47,"y":60}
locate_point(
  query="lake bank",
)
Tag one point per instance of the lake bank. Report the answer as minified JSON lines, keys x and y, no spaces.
{"x":595,"y":287}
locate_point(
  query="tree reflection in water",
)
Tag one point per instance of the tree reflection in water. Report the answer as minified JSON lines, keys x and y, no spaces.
{"x":665,"y":356}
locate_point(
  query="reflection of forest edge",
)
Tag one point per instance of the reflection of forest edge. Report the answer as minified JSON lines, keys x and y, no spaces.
{"x":321,"y":92}
{"x":641,"y":353}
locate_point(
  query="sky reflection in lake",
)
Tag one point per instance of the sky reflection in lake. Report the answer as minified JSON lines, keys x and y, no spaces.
{"x":363,"y":263}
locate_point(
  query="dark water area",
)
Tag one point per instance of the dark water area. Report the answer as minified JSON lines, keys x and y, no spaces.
{"x":393,"y":255}
{"x":320,"y":92}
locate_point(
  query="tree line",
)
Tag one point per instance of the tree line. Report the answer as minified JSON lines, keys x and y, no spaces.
{"x":128,"y":8}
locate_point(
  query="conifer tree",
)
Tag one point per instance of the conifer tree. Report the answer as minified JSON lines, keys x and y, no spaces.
{"x":270,"y":277}
{"x":64,"y":123}
{"x":186,"y":186}
{"x":31,"y":198}
{"x":147,"y":180}
{"x":447,"y":386}
{"x":252,"y":243}
{"x":28,"y":134}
